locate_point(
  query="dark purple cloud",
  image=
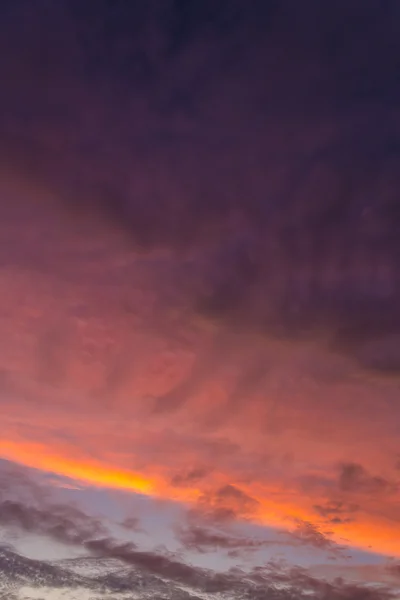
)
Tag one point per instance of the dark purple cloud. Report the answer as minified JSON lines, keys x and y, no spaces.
{"x":263,"y":138}
{"x":309,"y":534}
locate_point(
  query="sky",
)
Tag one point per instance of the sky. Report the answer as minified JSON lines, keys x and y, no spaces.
{"x":200,"y":299}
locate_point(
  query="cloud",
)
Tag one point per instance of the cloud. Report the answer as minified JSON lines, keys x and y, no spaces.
{"x":16,"y":481}
{"x":298,"y":579}
{"x":205,"y":367}
{"x":355,"y":478}
{"x":337,"y":512}
{"x":224,"y":504}
{"x":190,"y":477}
{"x":393,"y":568}
{"x":149,"y":561}
{"x":309,"y":534}
{"x":274,"y":581}
{"x":131,"y":524}
{"x":63,"y":523}
{"x":207,"y":532}
{"x":72,"y":526}
{"x":188,"y":91}
{"x":315,"y":285}
{"x":205,"y":539}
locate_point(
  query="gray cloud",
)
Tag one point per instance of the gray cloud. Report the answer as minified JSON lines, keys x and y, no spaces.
{"x":69,"y":525}
{"x":205,"y":539}
{"x":131,"y":523}
{"x":298,"y":579}
{"x":272,"y":582}
{"x":65,"y":524}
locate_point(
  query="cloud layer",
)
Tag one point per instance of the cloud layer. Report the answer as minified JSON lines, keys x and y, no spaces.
{"x":199,"y":265}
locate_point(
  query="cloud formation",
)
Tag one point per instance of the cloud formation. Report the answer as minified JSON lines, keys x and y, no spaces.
{"x":354,"y":478}
{"x":226,"y":503}
{"x":337,"y":512}
{"x":62,"y":523}
{"x":199,"y":245}
{"x":308,"y":534}
{"x":206,"y":539}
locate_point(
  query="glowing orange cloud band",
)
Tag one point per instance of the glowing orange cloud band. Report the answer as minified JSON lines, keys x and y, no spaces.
{"x":275,"y":513}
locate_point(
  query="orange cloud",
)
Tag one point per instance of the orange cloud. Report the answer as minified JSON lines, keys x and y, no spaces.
{"x":270,"y":506}
{"x":130,"y":387}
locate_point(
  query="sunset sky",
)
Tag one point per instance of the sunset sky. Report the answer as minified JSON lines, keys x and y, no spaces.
{"x":200,"y":294}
